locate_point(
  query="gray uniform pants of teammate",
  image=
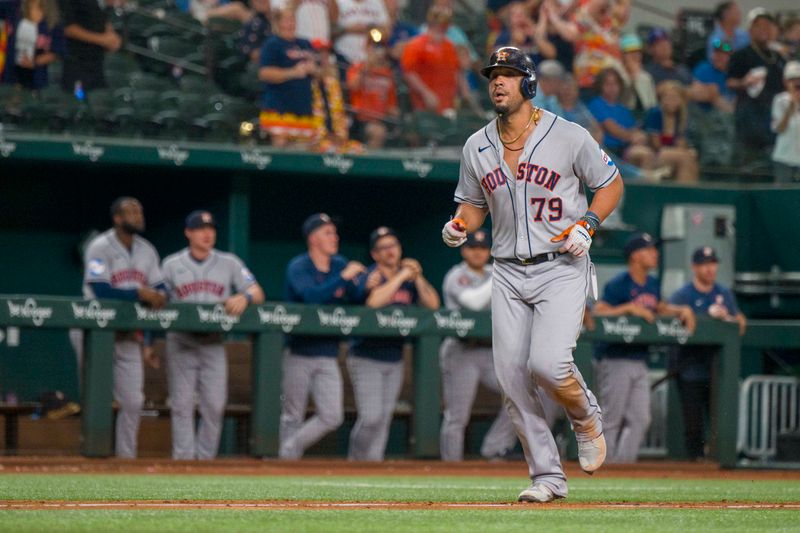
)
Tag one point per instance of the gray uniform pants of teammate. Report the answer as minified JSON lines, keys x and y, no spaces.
{"x":624,"y":389}
{"x":463,"y":368}
{"x":321,"y":377}
{"x":197,"y":373}
{"x":128,"y":383}
{"x":376,"y":385}
{"x":128,"y":376}
{"x":536,"y":317}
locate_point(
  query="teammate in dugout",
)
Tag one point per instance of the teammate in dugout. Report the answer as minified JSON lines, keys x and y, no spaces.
{"x":196,"y":362}
{"x":310,"y":365}
{"x":121,"y":265}
{"x":466,"y":363}
{"x":691,"y":365}
{"x":528,"y":168}
{"x":375,"y":364}
{"x":622,"y":376}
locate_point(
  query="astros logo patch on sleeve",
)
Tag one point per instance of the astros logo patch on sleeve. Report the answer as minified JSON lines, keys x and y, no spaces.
{"x":247,"y":275}
{"x":97,"y":267}
{"x":607,"y":160}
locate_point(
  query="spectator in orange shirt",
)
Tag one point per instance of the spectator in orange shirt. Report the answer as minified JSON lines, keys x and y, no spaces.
{"x":432,"y":69}
{"x":373,"y":94}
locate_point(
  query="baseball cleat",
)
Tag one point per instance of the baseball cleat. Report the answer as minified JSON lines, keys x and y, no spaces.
{"x":592,"y":453}
{"x":536,"y":494}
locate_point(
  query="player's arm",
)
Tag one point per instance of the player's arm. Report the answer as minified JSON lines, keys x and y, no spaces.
{"x":381,"y":295}
{"x":472,"y":216}
{"x":683,"y":312}
{"x":606,"y":199}
{"x":602,"y":308}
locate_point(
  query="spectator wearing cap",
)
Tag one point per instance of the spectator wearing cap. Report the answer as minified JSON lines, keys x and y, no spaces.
{"x":320,"y":276}
{"x":709,"y":83}
{"x":574,"y":110}
{"x":373,"y":94}
{"x":727,"y":22}
{"x":549,"y":76}
{"x":756,"y":75}
{"x":621,"y":372}
{"x":666,"y":126}
{"x":288,"y":67}
{"x":432,"y":67}
{"x":691,"y":365}
{"x":640,"y":91}
{"x":375,"y":364}
{"x":466,"y":363}
{"x":197,"y":369}
{"x":357,"y":18}
{"x":786,"y":125}
{"x":662,"y":65}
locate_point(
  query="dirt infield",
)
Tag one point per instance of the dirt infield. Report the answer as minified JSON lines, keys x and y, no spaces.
{"x":341,"y":506}
{"x":341,"y":467}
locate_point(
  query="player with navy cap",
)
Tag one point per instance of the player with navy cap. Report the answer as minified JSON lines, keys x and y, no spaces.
{"x":466,"y":363}
{"x":197,"y":369}
{"x":622,"y":374}
{"x":319,"y":276}
{"x":691,"y":365}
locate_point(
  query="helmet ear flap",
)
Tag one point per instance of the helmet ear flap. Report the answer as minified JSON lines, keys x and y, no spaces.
{"x":528,"y":86}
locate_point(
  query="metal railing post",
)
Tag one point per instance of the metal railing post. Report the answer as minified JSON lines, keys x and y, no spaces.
{"x":426,"y":414}
{"x":97,"y":415}
{"x":266,"y":415}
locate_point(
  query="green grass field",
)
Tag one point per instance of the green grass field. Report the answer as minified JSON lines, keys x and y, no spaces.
{"x":583,"y":491}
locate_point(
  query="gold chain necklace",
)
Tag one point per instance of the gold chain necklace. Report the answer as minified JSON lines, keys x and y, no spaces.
{"x":769,"y":60}
{"x":534,"y":118}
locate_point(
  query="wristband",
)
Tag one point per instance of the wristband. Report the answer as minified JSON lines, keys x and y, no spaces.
{"x":249,"y":298}
{"x":592,"y":221}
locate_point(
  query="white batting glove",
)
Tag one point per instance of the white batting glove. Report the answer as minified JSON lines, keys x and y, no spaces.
{"x":454,"y":234}
{"x":578,"y":241}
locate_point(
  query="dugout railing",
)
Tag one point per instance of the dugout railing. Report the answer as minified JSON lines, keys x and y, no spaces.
{"x":269,"y":323}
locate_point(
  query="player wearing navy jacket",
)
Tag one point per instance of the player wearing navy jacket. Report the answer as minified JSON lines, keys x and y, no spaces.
{"x":310,"y":365}
{"x":623,"y":382}
{"x":691,"y":365}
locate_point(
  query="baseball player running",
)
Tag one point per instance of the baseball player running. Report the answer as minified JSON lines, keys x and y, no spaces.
{"x":466,"y":363}
{"x":121,"y":265}
{"x":196,"y":363}
{"x":310,"y":365}
{"x":528,"y":169}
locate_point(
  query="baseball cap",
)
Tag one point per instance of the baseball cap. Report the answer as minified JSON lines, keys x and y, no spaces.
{"x":199,"y":219}
{"x":722,"y":46}
{"x":704,"y":254}
{"x":630,"y":42}
{"x":657,"y":34}
{"x":315,"y":221}
{"x":550,"y":68}
{"x":792,"y":70}
{"x":379,"y":233}
{"x":757,"y":13}
{"x":637,"y":241}
{"x":478,"y":239}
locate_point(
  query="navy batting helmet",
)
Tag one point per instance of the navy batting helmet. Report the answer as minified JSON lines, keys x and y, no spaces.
{"x":514,"y":58}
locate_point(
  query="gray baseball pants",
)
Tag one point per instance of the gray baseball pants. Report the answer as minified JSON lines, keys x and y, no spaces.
{"x":197,"y":374}
{"x":320,"y":376}
{"x":376,"y":385}
{"x":624,"y":388}
{"x":536,"y":318}
{"x":128,"y":383}
{"x":463,"y":369}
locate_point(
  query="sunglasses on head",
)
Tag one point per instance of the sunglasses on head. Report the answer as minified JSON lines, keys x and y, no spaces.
{"x":721,"y":45}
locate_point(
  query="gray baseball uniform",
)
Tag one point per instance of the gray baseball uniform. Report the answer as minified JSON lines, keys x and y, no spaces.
{"x":108,"y":261}
{"x":464,"y":365}
{"x":537,"y":305}
{"x":196,"y":363}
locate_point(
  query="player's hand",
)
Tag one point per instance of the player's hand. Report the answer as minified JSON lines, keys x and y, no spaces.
{"x":642,"y":312}
{"x":150,"y":357}
{"x":454,"y":233}
{"x":414,"y":265}
{"x":352,"y":269}
{"x":236,"y":304}
{"x":153,"y":298}
{"x":406,"y":273}
{"x":686,"y":315}
{"x":373,"y":280}
{"x":111,"y":41}
{"x":577,"y":239}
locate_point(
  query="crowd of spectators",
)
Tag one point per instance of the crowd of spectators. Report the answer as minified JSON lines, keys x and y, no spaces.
{"x":345,"y":73}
